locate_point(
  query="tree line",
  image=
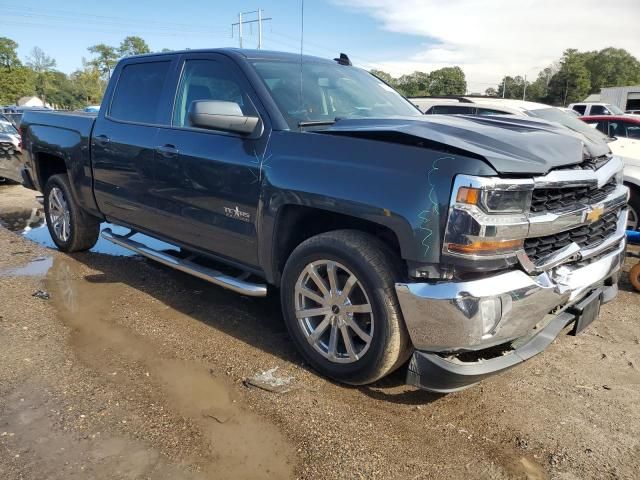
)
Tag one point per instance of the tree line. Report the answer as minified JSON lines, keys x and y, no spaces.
{"x":573,"y":77}
{"x":37,"y":74}
{"x":444,"y":81}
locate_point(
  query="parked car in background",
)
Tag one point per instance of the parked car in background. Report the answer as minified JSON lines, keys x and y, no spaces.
{"x":625,"y":132}
{"x":91,"y":109}
{"x":632,"y":112}
{"x":10,"y":149}
{"x":569,"y":110}
{"x":586,"y":109}
{"x":463,"y":243}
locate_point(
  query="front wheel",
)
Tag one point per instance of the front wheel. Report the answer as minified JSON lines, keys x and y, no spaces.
{"x":71,"y":228}
{"x":340,"y":306}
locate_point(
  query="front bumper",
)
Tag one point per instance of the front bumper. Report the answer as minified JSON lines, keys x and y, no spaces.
{"x":452,"y":317}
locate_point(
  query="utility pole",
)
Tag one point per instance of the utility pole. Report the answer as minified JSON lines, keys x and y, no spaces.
{"x":504,"y":86}
{"x":524,"y":92}
{"x":242,"y":22}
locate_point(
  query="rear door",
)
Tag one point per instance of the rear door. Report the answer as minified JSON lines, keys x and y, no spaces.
{"x":208,"y":182}
{"x":124,"y":140}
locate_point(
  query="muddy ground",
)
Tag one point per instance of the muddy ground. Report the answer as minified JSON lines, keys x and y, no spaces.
{"x":121,"y":368}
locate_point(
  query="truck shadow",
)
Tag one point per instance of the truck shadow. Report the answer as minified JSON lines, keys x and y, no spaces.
{"x":254,"y":321}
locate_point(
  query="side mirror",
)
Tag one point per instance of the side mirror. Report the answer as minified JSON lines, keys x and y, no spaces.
{"x":219,"y":115}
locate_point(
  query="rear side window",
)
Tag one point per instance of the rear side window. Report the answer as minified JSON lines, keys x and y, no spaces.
{"x":137,"y":95}
{"x":451,"y":110}
{"x":580,"y":109}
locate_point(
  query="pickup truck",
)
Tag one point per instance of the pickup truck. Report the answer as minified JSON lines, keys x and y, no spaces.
{"x":457,"y":246}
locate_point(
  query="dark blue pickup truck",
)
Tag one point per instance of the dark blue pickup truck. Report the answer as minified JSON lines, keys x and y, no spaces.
{"x":462,"y":244}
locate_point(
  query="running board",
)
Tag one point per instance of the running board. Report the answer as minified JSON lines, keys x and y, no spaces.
{"x":210,"y":275}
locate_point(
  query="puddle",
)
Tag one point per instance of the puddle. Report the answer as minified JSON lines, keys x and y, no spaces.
{"x":240,"y":444}
{"x":31,"y":224}
{"x":35,"y":268}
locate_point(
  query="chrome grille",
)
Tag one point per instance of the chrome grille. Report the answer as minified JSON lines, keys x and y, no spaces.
{"x":586,"y":236}
{"x":570,"y":198}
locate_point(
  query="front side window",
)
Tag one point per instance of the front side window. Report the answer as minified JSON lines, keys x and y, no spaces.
{"x":208,"y":80}
{"x":324,"y":92}
{"x":138,"y":92}
{"x":599,"y":110}
{"x":580,"y":109}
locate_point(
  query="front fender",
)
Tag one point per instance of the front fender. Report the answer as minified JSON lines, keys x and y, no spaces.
{"x":401,"y":187}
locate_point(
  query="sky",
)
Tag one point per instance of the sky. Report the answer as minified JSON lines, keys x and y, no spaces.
{"x":488,"y":38}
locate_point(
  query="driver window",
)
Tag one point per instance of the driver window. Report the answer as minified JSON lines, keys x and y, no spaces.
{"x":207,"y":80}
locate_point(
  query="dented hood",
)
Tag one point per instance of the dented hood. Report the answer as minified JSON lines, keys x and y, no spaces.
{"x":511,"y":145}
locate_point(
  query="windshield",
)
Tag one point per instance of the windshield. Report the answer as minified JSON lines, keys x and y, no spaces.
{"x":568,"y":120}
{"x":7,"y":128}
{"x":615,"y":110}
{"x":329,"y":92}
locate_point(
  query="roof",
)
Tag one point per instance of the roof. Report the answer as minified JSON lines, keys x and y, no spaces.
{"x":594,"y":97}
{"x":516,"y":106}
{"x":626,"y":118}
{"x":248,"y":54}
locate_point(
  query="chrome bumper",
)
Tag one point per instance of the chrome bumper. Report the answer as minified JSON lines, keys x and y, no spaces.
{"x":473,"y":315}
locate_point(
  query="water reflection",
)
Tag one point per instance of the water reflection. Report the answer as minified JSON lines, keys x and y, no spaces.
{"x":31,"y":224}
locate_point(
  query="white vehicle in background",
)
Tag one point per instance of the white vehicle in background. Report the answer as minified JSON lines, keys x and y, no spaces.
{"x":587,"y":109}
{"x":625,"y":132}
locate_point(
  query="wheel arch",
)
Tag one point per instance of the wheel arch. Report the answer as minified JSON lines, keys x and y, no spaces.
{"x":293,"y":224}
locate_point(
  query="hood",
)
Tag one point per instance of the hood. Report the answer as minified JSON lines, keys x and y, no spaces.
{"x":511,"y":145}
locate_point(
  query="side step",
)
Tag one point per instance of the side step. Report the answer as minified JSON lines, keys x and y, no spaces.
{"x":210,"y":275}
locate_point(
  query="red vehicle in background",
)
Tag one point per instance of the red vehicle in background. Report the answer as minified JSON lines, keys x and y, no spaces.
{"x":625,"y":132}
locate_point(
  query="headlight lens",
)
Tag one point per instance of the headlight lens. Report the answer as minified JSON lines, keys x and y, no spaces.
{"x":487,"y":219}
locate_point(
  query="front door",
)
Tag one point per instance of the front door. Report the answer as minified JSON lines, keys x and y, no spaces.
{"x":208,"y":182}
{"x":124,"y":140}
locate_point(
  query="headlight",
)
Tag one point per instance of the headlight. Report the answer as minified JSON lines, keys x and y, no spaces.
{"x":487,"y":217}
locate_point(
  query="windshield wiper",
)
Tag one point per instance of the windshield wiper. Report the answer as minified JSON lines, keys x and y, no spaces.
{"x":316,"y":123}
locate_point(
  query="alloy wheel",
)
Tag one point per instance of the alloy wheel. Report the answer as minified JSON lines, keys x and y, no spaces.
{"x":334,"y":311}
{"x":632,"y":219}
{"x":59,"y":214}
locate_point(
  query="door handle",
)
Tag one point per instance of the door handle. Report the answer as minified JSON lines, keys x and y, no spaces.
{"x":167,"y":150}
{"x":102,"y":139}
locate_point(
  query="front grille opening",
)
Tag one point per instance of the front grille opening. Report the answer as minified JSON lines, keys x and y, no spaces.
{"x":586,"y":236}
{"x":572,"y":198}
{"x":477,"y":356}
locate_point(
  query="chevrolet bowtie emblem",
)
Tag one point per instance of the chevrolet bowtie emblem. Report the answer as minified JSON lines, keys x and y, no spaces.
{"x":595,"y":214}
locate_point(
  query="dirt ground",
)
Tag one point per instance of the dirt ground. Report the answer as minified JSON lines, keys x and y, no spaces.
{"x":122,"y":369}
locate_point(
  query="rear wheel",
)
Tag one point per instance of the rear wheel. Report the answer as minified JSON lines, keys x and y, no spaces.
{"x":340,"y":306}
{"x":71,"y":228}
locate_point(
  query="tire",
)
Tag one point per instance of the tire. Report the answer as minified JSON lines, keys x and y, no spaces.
{"x":370,"y":302}
{"x":71,"y":228}
{"x":634,"y":208}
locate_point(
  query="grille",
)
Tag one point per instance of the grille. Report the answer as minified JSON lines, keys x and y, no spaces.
{"x":586,"y":236}
{"x":573,"y":198}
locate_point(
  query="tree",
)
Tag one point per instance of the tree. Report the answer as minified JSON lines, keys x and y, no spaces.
{"x":88,"y":84}
{"x":8,"y":53}
{"x":15,"y":83}
{"x":415,"y":84}
{"x":491,"y":92}
{"x":513,"y":87}
{"x":384,"y":76}
{"x":447,"y":81}
{"x":572,"y":82}
{"x":42,"y":64}
{"x":133,"y":45}
{"x":106,"y":59}
{"x":612,"y":67}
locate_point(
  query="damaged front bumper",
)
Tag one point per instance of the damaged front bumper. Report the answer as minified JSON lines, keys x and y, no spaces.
{"x":513,"y":314}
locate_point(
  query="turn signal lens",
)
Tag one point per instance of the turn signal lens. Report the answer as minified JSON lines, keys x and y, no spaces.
{"x":468,"y":195}
{"x":489,"y":247}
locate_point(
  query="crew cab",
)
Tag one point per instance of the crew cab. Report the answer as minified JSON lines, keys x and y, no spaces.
{"x":595,"y":108}
{"x":462,"y":244}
